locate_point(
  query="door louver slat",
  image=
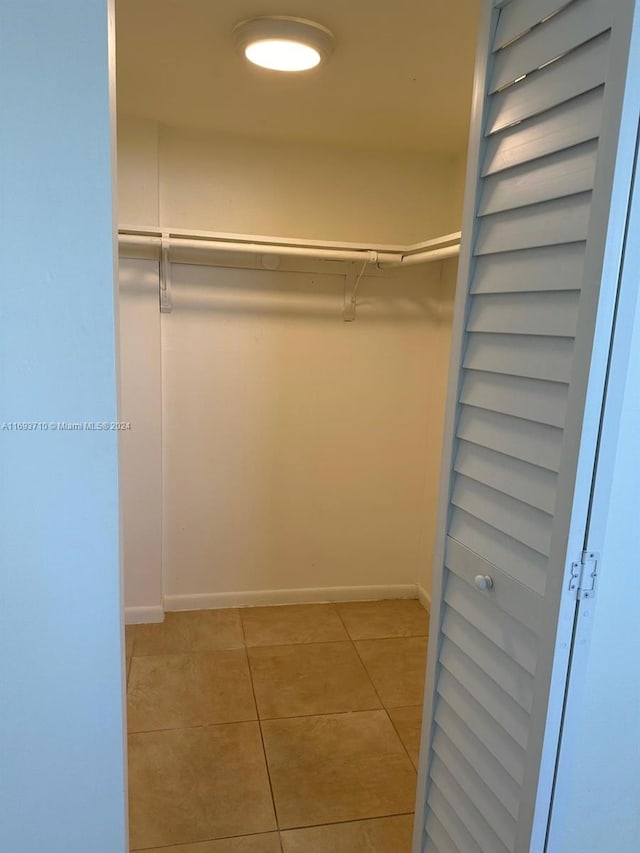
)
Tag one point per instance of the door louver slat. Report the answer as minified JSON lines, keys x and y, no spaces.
{"x":492,"y":810}
{"x":526,"y":314}
{"x":571,"y":123}
{"x":564,"y":173}
{"x":535,"y":357}
{"x":517,"y":18}
{"x":455,"y":829}
{"x":530,"y":399}
{"x":499,"y":666}
{"x":576,"y":73}
{"x":536,"y":270}
{"x":578,"y":23}
{"x":478,"y":756}
{"x":507,"y":713}
{"x":438,"y":840}
{"x":471,"y":818}
{"x":551,"y":223}
{"x":512,"y":517}
{"x":527,"y":483}
{"x":532,"y":442}
{"x":503,"y":747}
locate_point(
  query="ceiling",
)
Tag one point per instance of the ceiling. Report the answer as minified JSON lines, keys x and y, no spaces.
{"x":399,"y":79}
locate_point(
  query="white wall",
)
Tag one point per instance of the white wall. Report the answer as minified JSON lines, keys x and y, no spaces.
{"x":62,"y":783}
{"x":138,"y":172}
{"x":598,"y":782}
{"x":299,"y":452}
{"x":141,"y":444}
{"x":195,"y":180}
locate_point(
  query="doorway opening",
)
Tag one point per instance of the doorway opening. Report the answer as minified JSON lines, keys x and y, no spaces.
{"x":288,"y":261}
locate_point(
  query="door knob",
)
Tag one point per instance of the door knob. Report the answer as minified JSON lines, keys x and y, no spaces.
{"x":483,"y":581}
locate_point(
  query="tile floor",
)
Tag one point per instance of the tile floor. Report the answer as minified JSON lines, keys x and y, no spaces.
{"x":276,"y":729}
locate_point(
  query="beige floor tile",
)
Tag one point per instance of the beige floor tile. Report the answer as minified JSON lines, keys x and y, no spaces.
{"x":189,"y":785}
{"x":294,"y":623}
{"x":129,"y":637}
{"x":190,"y":631}
{"x":382,"y":835}
{"x":408,"y":723}
{"x":337,"y":767}
{"x":173,"y":691}
{"x":312,"y":678}
{"x":264,"y":843}
{"x":397,"y":669}
{"x":369,"y":620}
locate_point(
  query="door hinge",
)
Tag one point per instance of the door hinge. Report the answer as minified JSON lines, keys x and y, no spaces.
{"x":584,"y":574}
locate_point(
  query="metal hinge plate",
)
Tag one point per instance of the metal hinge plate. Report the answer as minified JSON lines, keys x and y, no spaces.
{"x":584,"y":575}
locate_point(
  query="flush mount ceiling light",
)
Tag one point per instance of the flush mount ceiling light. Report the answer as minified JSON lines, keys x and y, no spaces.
{"x":283,"y":44}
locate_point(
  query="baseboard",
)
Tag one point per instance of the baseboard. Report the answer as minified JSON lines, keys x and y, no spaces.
{"x":140,"y":615}
{"x":263,"y":597}
{"x":424,"y":598}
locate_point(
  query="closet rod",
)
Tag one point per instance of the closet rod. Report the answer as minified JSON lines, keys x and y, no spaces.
{"x":383,"y":258}
{"x":425,"y":256}
{"x":135,"y":240}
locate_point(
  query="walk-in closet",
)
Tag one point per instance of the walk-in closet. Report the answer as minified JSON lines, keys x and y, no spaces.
{"x":288,"y":255}
{"x":321,"y":206}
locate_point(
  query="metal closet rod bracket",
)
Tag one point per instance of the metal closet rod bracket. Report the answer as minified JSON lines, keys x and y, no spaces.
{"x":165,"y":276}
{"x":351,"y":282}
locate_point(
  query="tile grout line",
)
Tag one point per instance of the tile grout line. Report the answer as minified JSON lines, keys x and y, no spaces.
{"x":277,"y":645}
{"x":384,"y":707}
{"x":343,"y":822}
{"x":349,"y":639}
{"x":258,"y":719}
{"x":209,"y":840}
{"x":363,"y":664}
{"x":274,"y":831}
{"x":395,"y":728}
{"x":264,"y":750}
{"x":129,"y":658}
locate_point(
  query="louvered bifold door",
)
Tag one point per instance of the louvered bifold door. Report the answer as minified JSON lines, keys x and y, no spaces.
{"x":551,"y":159}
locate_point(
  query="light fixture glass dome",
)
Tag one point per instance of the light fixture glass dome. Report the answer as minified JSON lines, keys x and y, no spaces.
{"x":282,"y":55}
{"x":283,"y":44}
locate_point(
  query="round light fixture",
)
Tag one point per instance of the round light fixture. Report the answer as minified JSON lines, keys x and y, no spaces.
{"x":283,"y":44}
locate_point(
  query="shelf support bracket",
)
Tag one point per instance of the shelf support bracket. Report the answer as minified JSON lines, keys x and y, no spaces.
{"x":165,"y":276}
{"x":349,"y":313}
{"x":351,"y":282}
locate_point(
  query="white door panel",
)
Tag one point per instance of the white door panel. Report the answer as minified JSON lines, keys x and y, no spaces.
{"x":536,"y":295}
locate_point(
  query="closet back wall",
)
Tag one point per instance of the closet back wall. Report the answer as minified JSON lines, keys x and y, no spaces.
{"x":193,"y":179}
{"x":299,"y":452}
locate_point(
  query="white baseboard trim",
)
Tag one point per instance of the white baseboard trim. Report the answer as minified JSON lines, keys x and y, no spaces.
{"x":141,"y":615}
{"x":264,"y":597}
{"x":424,"y":598}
